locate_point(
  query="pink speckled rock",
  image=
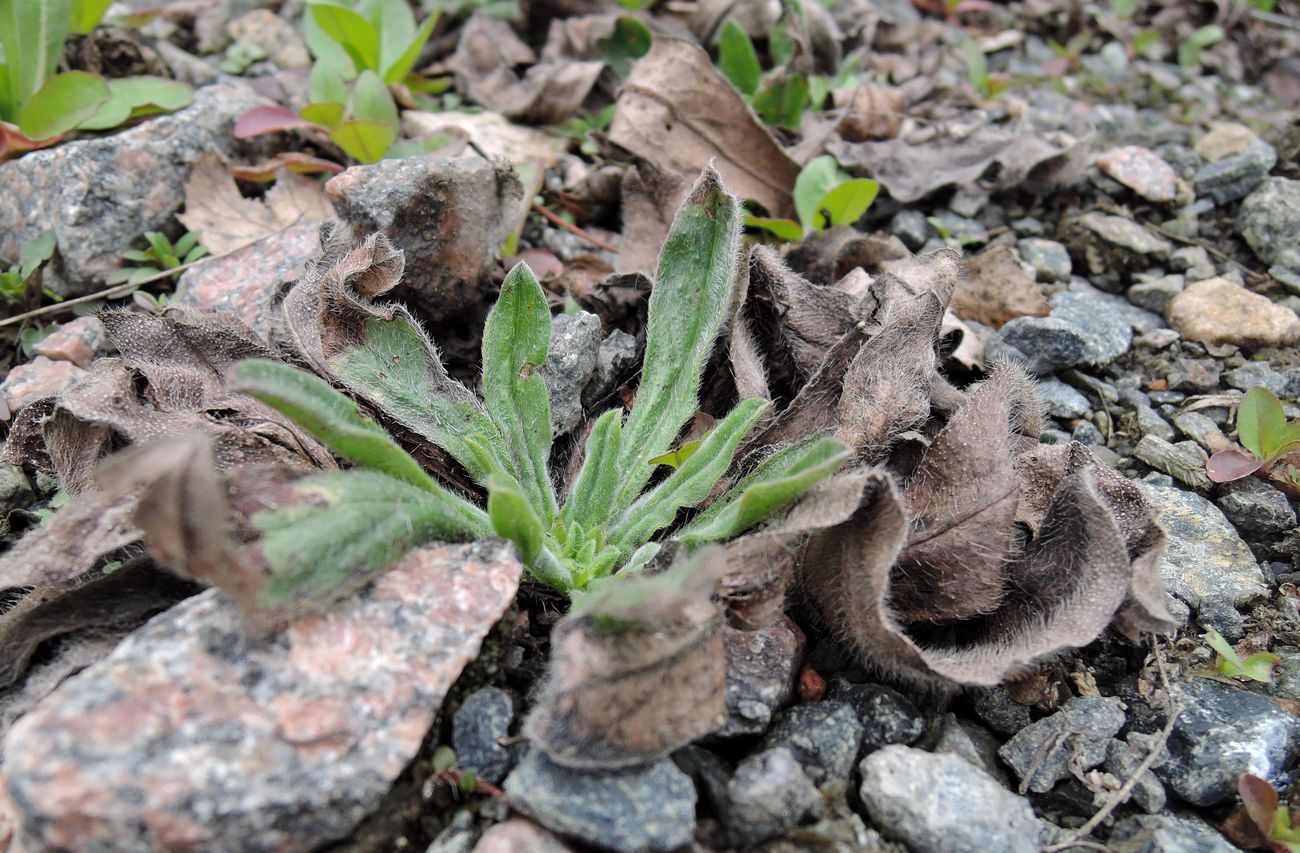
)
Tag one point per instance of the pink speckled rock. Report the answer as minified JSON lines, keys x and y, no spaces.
{"x":245,"y":281}
{"x":1141,"y":170}
{"x":194,"y":735}
{"x":76,"y":342}
{"x":40,"y":377}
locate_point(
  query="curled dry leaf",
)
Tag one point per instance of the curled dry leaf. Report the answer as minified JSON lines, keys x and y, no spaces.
{"x":227,"y":221}
{"x":677,"y":112}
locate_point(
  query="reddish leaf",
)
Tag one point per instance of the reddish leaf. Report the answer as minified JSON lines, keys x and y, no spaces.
{"x":270,"y":119}
{"x":13,"y":143}
{"x":1260,"y":800}
{"x":1228,"y":465}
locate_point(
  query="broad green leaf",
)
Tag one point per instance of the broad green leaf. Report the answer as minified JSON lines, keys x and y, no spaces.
{"x":688,"y":304}
{"x":781,"y":45}
{"x":86,"y":14}
{"x":132,"y":97}
{"x":327,"y":51}
{"x":785,"y":229}
{"x":364,"y":140}
{"x":31,"y":39}
{"x":396,"y":369}
{"x":513,"y":517}
{"x":1261,"y":423}
{"x":326,"y":85}
{"x":398,"y":61}
{"x":515,"y":342}
{"x":352,"y":32}
{"x":815,"y":180}
{"x":689,"y":484}
{"x":772,"y":486}
{"x":324,"y":113}
{"x":371,"y":100}
{"x":35,"y":252}
{"x":846,"y":203}
{"x":348,"y":525}
{"x":782,"y":101}
{"x":629,"y":41}
{"x":329,"y":416}
{"x":63,"y":102}
{"x":675,"y":457}
{"x":737,"y":58}
{"x":592,"y":493}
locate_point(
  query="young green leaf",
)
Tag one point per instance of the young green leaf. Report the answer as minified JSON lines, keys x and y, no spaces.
{"x":330,"y":417}
{"x":515,"y":342}
{"x":349,"y":525}
{"x":400,"y":48}
{"x":396,"y":369}
{"x":62,"y":103}
{"x":513,"y":518}
{"x":784,"y":229}
{"x":366,"y":141}
{"x":815,"y":180}
{"x":593,"y":490}
{"x":629,"y":41}
{"x":772,"y":486}
{"x":371,"y":100}
{"x":351,"y":31}
{"x":692,"y":291}
{"x":31,"y":39}
{"x":35,"y":252}
{"x":690,"y":483}
{"x":1257,"y":667}
{"x":325,"y":84}
{"x":737,"y":58}
{"x":678,"y":455}
{"x":86,"y":14}
{"x":846,"y":203}
{"x":132,"y":97}
{"x":782,"y":101}
{"x":1261,"y":423}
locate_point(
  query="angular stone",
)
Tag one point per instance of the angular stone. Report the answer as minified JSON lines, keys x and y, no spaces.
{"x":1061,"y":400}
{"x":1046,"y":344}
{"x":1257,"y":373}
{"x":246,"y":281}
{"x":1235,"y":176}
{"x":1205,"y":557}
{"x":768,"y":796}
{"x":1112,"y":247}
{"x":761,"y":669}
{"x":570,"y":363}
{"x":1150,"y":423}
{"x":1043,"y":752}
{"x":1166,"y":833}
{"x":477,"y":728}
{"x":449,"y":218}
{"x":886,"y":715}
{"x":1123,"y":760}
{"x":1217,"y":311}
{"x":1182,"y":461}
{"x":910,"y":227}
{"x":824,"y":736}
{"x":634,"y":810}
{"x":1222,"y":732}
{"x":1050,"y":259}
{"x":273,"y":35}
{"x":100,"y":194}
{"x":1225,"y":139}
{"x":77,"y":342}
{"x":1157,"y":294}
{"x":1254,"y":506}
{"x":1107,"y":330}
{"x":1141,"y":170}
{"x":941,"y":804}
{"x":193,"y":734}
{"x":519,"y":836}
{"x":1269,"y":221}
{"x":40,"y":377}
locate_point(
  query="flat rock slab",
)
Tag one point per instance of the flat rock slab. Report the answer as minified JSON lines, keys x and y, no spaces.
{"x":194,"y":735}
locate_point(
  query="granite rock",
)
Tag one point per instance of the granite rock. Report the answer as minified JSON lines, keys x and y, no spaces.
{"x":40,"y":377}
{"x":886,"y":715}
{"x":1269,"y":221}
{"x":1234,"y":177}
{"x":1218,"y":311}
{"x":76,"y":341}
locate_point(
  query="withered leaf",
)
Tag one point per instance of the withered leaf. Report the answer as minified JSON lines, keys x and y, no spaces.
{"x":678,"y":112}
{"x":636,"y":672}
{"x":227,"y":221}
{"x":996,"y":289}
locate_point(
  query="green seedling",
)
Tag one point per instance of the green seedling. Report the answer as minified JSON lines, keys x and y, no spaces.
{"x":162,"y":255}
{"x":1189,"y":52}
{"x":977,"y":71}
{"x":1257,"y":667}
{"x":617,"y":511}
{"x":824,"y":196}
{"x":1264,"y":432}
{"x":1269,"y":816}
{"x":15,"y":281}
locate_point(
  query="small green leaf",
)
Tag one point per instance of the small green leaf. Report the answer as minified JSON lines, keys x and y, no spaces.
{"x":783,"y":100}
{"x":692,"y":290}
{"x":1261,"y":423}
{"x":513,"y":518}
{"x":348,"y":525}
{"x":515,"y":342}
{"x":737,"y":58}
{"x":86,"y":14}
{"x":365,"y":141}
{"x":133,"y":97}
{"x":592,"y":493}
{"x":158,"y":242}
{"x":36,"y":251}
{"x":326,"y":84}
{"x":814,"y":181}
{"x":689,"y":484}
{"x":847,"y":202}
{"x":329,"y":416}
{"x":674,"y":458}
{"x":187,"y":242}
{"x":324,"y":113}
{"x":397,"y":67}
{"x":351,"y":31}
{"x":629,"y":41}
{"x":784,"y":229}
{"x":371,"y":100}
{"x":63,"y":102}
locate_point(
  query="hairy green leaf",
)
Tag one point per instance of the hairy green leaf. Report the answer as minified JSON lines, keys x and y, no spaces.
{"x":62,"y":103}
{"x":737,"y":58}
{"x":513,"y":518}
{"x":688,"y":304}
{"x":350,"y":524}
{"x":397,"y":370}
{"x":775,"y":484}
{"x":690,"y":483}
{"x":329,"y":416}
{"x":515,"y":342}
{"x":593,"y":491}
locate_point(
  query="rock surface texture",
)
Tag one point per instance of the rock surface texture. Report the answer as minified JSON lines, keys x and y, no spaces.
{"x":195,"y":735}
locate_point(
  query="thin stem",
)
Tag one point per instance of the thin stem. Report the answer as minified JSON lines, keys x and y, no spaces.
{"x":107,"y":293}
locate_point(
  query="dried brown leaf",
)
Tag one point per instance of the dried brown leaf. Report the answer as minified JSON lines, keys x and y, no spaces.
{"x":870,"y":111}
{"x":997,"y":289}
{"x":227,"y":221}
{"x":651,"y":196}
{"x":678,"y":112}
